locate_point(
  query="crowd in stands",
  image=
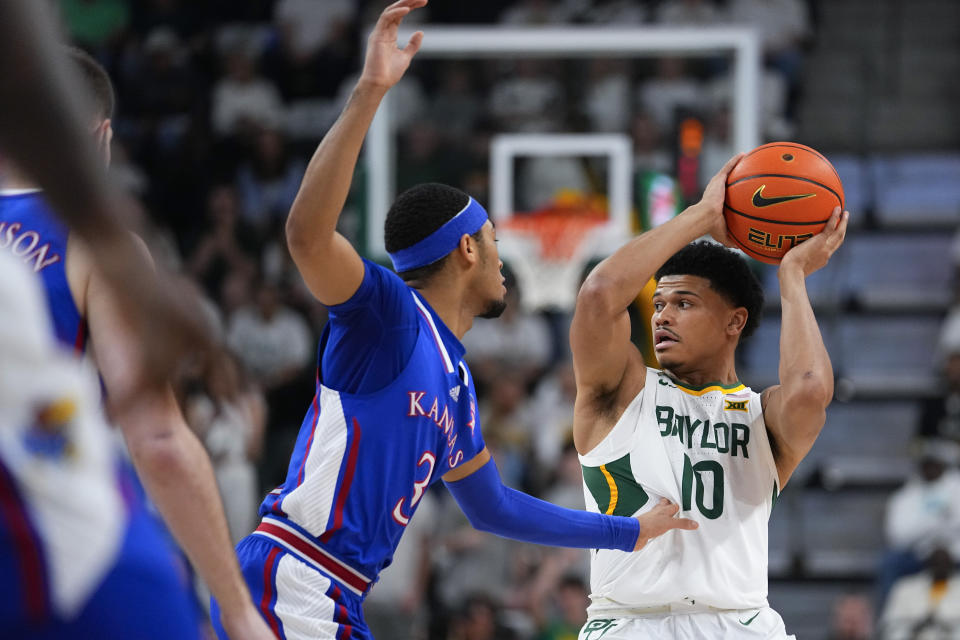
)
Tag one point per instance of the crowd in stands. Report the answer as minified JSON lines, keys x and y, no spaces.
{"x":220,"y":105}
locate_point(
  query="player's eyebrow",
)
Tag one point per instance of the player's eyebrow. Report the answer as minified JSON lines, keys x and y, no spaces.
{"x":659,"y":292}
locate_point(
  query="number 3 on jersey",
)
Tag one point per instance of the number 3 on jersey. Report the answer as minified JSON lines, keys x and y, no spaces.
{"x":419,"y":488}
{"x":695,"y":474}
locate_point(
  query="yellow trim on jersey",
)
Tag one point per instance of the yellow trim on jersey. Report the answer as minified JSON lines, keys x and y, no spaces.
{"x":613,"y":490}
{"x":713,"y":387}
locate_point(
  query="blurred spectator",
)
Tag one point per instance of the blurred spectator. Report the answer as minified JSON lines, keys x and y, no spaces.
{"x":852,"y":619}
{"x":128,"y":175}
{"x":273,"y":341}
{"x":455,"y":102}
{"x":478,"y":620}
{"x":949,"y":341}
{"x":528,"y":99}
{"x":305,"y":26}
{"x":504,"y":409}
{"x":168,"y":90}
{"x":921,"y":515}
{"x":773,"y":102}
{"x":926,"y":606}
{"x":649,"y":153}
{"x":95,"y":23}
{"x":606,"y":100}
{"x":551,"y":422}
{"x":424,"y":156}
{"x":467,"y":562}
{"x":395,"y":610}
{"x":783,"y":27}
{"x":408,"y":103}
{"x":220,"y":249}
{"x":940,"y":417}
{"x":268,"y":182}
{"x":242,"y":100}
{"x":150,"y":15}
{"x":717,"y":143}
{"x":559,"y":606}
{"x":526,"y":13}
{"x":517,"y":340}
{"x":688,"y":13}
{"x":620,"y":13}
{"x":232,"y":429}
{"x":316,"y":49}
{"x":671,"y":88}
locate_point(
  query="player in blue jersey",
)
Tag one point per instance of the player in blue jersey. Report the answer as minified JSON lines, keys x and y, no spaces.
{"x":43,"y":127}
{"x":136,"y":570}
{"x":395,"y":409}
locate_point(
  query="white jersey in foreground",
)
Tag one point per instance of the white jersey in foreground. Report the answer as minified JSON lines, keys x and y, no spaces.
{"x":58,"y":460}
{"x":707,"y":451}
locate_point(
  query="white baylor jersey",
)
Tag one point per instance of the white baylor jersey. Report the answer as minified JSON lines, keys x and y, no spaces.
{"x":707,"y":451}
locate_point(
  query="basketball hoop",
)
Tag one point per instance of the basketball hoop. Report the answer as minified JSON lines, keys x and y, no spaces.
{"x":549,"y":249}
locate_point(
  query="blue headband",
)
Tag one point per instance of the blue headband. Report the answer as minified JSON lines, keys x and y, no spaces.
{"x":442,"y":241}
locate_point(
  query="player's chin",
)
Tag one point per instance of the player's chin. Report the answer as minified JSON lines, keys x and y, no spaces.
{"x":668,"y":360}
{"x":495,"y":307}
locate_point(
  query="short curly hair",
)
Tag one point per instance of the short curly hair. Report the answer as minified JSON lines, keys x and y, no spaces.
{"x":94,"y":78}
{"x":728,"y":274}
{"x":415,"y":214}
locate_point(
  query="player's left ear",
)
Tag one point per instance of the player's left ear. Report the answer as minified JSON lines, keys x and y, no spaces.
{"x":104,"y":136}
{"x":737,"y":321}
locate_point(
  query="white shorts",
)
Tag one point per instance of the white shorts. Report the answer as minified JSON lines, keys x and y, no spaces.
{"x":749,"y":624}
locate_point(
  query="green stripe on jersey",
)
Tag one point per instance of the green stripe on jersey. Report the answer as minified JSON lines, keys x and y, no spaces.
{"x":614,"y":488}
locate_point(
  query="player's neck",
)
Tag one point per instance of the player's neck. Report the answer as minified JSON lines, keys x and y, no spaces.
{"x":702,"y":376}
{"x":11,"y":178}
{"x":448,"y":301}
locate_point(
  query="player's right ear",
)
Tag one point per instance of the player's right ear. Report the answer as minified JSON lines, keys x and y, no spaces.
{"x":469,"y":249}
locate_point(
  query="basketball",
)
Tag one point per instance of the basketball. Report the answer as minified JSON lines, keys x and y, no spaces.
{"x":779,"y":195}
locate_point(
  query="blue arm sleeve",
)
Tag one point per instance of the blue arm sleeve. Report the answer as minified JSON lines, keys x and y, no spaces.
{"x":490,"y":506}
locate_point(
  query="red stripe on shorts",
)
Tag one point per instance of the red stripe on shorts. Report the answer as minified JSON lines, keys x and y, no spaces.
{"x":267,"y":598}
{"x":26,"y":548}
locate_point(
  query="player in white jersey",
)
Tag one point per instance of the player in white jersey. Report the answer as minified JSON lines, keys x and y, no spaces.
{"x":691,"y":432}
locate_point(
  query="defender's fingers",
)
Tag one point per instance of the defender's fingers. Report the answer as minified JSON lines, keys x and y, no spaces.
{"x":667,"y":508}
{"x":685,"y":523}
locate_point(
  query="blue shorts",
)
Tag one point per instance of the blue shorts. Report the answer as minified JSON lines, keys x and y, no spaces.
{"x":145,"y":596}
{"x":297,"y":601}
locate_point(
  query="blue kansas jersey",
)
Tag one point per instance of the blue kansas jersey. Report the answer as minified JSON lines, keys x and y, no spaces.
{"x":364,"y":458}
{"x":32,"y":233}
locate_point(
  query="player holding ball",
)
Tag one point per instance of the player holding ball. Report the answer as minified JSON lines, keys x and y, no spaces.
{"x":690,"y":431}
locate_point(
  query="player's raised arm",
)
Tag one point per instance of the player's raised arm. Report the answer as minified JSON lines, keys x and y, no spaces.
{"x":795,"y":410}
{"x":600,"y":333}
{"x":169,"y":459}
{"x":331,"y":268}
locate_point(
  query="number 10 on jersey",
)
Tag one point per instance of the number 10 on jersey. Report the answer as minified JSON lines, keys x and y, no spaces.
{"x":699,"y":474}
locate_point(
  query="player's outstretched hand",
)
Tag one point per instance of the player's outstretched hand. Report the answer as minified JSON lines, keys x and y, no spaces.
{"x":813,"y":254}
{"x":386,"y":62}
{"x":659,"y":520}
{"x":711,"y":204}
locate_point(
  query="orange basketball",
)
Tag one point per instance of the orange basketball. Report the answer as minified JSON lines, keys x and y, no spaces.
{"x":779,"y":195}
